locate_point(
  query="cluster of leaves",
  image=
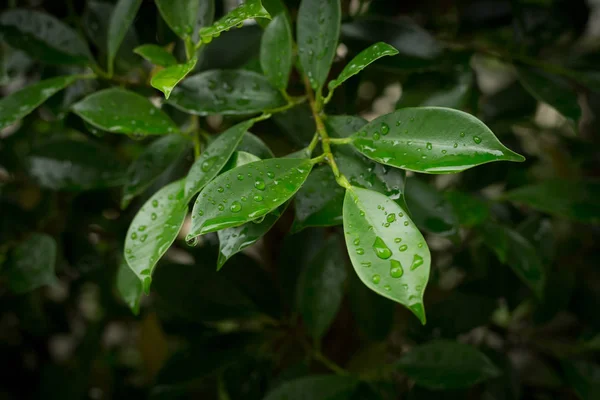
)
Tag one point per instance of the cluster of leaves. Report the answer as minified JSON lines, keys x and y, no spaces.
{"x":329,"y":232}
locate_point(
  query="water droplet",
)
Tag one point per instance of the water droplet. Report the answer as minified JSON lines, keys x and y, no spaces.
{"x":376,"y":136}
{"x":398,"y":240}
{"x":142,"y":228}
{"x":420,"y":245}
{"x":477,"y":139}
{"x":375,"y":279}
{"x":143,"y":238}
{"x":236,"y":206}
{"x":258,"y":198}
{"x":243,"y":198}
{"x":387,"y":287}
{"x":362,"y":213}
{"x":444,"y":151}
{"x":462,"y":134}
{"x":221,"y":207}
{"x":385,"y":129}
{"x":381,"y":249}
{"x":455,"y":145}
{"x":153,"y":216}
{"x":405,"y":223}
{"x":207,"y":164}
{"x":154,"y":203}
{"x":270,"y":174}
{"x":356,"y":242}
{"x":134,"y":236}
{"x":417,"y":262}
{"x":240,"y":177}
{"x":403,"y":247}
{"x":391,"y":218}
{"x":200,"y":213}
{"x":360,"y":251}
{"x":396,"y":270}
{"x":429,"y":146}
{"x":366,"y":264}
{"x":259,"y":184}
{"x":220,"y":189}
{"x":398,"y":123}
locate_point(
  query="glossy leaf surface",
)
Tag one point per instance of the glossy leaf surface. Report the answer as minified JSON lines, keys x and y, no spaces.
{"x":431,"y":139}
{"x":166,"y":79}
{"x":318,"y":387}
{"x":388,"y":252}
{"x":214,"y":158}
{"x":445,"y":364}
{"x":44,"y":37}
{"x":232,"y":92}
{"x":32,"y":263}
{"x":247,"y":193}
{"x":254,"y":145}
{"x":122,"y":111}
{"x":361,"y":61}
{"x":121,"y":19}
{"x":154,"y":161}
{"x":153,"y":230}
{"x":17,"y":105}
{"x":180,"y":15}
{"x":318,"y":29}
{"x":321,"y":288}
{"x":129,"y":286}
{"x":276,"y":51}
{"x":518,"y":253}
{"x":156,"y":55}
{"x":429,"y":209}
{"x":248,"y":9}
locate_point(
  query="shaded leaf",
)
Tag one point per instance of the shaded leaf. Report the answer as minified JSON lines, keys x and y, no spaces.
{"x":436,"y":90}
{"x":429,"y":209}
{"x":129,"y":286}
{"x":166,"y":79}
{"x":180,"y":15}
{"x":248,"y":9}
{"x":469,"y":210}
{"x":32,"y":263}
{"x":276,"y":51}
{"x":254,"y":145}
{"x":156,"y":55}
{"x":120,"y":20}
{"x":316,"y":387}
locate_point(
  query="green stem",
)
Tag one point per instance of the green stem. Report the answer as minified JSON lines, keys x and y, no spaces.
{"x":317,"y":355}
{"x":313,"y":143}
{"x":341,"y":140}
{"x":190,"y":48}
{"x":316,"y":160}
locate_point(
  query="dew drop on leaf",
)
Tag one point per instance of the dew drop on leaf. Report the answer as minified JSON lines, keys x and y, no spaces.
{"x":403,"y":247}
{"x":259,"y":183}
{"x":391,"y":218}
{"x":236,"y":206}
{"x":477,"y":139}
{"x":381,"y":249}
{"x":396,"y":270}
{"x":417,"y":262}
{"x":376,"y":278}
{"x":360,"y":251}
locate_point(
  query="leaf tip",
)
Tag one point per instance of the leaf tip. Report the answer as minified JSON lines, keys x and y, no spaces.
{"x":419,"y":310}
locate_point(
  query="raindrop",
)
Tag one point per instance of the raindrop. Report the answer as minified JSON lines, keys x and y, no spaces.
{"x":221,"y":207}
{"x":391,"y":218}
{"x":143,"y":238}
{"x":462,"y":134}
{"x":258,"y":198}
{"x":387,"y":287}
{"x":270,"y":174}
{"x":356,"y":241}
{"x":259,"y":184}
{"x":396,"y":270}
{"x":417,"y":262}
{"x":429,"y":146}
{"x":398,"y":240}
{"x":384,"y":128}
{"x":142,"y":228}
{"x":134,"y":236}
{"x":207,"y":164}
{"x":476,"y":139}
{"x":375,"y":279}
{"x":376,"y":136}
{"x":153,"y":216}
{"x":405,"y":223}
{"x":403,"y":247}
{"x":381,"y":249}
{"x":220,"y":189}
{"x":360,"y":251}
{"x":154,"y":203}
{"x":366,"y":264}
{"x":236,"y":206}
{"x":420,"y":245}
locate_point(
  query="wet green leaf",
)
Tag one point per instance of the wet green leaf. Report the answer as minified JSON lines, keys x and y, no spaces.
{"x":230,"y":92}
{"x":74,"y":165}
{"x":445,"y":364}
{"x":577,"y":200}
{"x":120,"y":20}
{"x":583,"y":377}
{"x":180,"y":15}
{"x":321,"y":288}
{"x":318,"y":29}
{"x":155,"y":159}
{"x":247,"y":193}
{"x":156,"y":55}
{"x":361,"y":61}
{"x":32,"y":263}
{"x":17,"y":105}
{"x":166,"y":79}
{"x":515,"y":251}
{"x":429,"y":209}
{"x":431,"y":139}
{"x":129,"y":286}
{"x":153,"y":230}
{"x":316,"y":387}
{"x":254,"y":145}
{"x":121,"y":111}
{"x":214,"y":158}
{"x":276,"y":51}
{"x":44,"y":37}
{"x":388,"y":252}
{"x":248,"y":9}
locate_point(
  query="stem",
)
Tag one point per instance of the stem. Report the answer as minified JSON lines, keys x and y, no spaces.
{"x":313,"y":142}
{"x":190,"y":47}
{"x":317,"y":355}
{"x":341,"y":140}
{"x":318,"y":159}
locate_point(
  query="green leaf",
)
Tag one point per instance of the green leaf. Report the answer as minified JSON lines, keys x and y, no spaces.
{"x":230,"y":92}
{"x":32,"y":263}
{"x":376,"y":325}
{"x":44,"y":37}
{"x":387,"y":251}
{"x":551,"y":89}
{"x":361,"y":61}
{"x":247,"y":193}
{"x":431,"y":139}
{"x":249,"y":9}
{"x":153,"y":162}
{"x":214,"y":158}
{"x":153,"y":230}
{"x":321,"y":288}
{"x":156,"y":55}
{"x":437,"y":90}
{"x":180,"y":15}
{"x":515,"y":251}
{"x":318,"y":30}
{"x":120,"y":20}
{"x":577,"y":200}
{"x":583,"y":377}
{"x":469,"y":210}
{"x":129,"y":286}
{"x":276,"y":51}
{"x":74,"y":165}
{"x":121,"y":111}
{"x":166,"y":79}
{"x":445,"y":364}
{"x":17,"y":105}
{"x":316,"y":387}
{"x":429,"y":209}
{"x":254,"y":145}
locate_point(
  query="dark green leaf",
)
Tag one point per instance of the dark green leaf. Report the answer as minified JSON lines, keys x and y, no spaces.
{"x":429,"y":209}
{"x":577,"y":200}
{"x":316,"y":387}
{"x":44,"y":37}
{"x":122,"y":111}
{"x":129,"y":286}
{"x":361,"y":61}
{"x":156,"y":55}
{"x":437,"y":90}
{"x":166,"y":79}
{"x":376,"y":325}
{"x":584,"y":378}
{"x":276,"y":51}
{"x":431,"y":139}
{"x":515,"y":251}
{"x":551,"y":89}
{"x":321,"y":288}
{"x":145,"y":169}
{"x":153,"y":230}
{"x":317,"y":34}
{"x":214,"y":158}
{"x":121,"y":19}
{"x":17,"y":105}
{"x":249,"y":9}
{"x":254,"y":145}
{"x":387,"y":251}
{"x":445,"y":364}
{"x":469,"y":210}
{"x":235,"y":92}
{"x":74,"y":165}
{"x":247,"y":193}
{"x":180,"y":15}
{"x":32,"y":264}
